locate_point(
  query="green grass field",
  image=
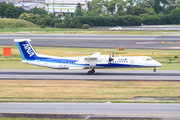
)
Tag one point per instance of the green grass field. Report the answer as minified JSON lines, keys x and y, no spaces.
{"x":6,"y":23}
{"x":84,"y":91}
{"x":18,"y":26}
{"x":67,"y":31}
{"x":166,"y":57}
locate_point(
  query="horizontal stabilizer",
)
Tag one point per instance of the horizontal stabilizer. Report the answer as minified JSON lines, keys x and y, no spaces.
{"x":22,"y":40}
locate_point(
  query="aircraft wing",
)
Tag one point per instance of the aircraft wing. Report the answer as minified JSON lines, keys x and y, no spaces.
{"x":93,"y":56}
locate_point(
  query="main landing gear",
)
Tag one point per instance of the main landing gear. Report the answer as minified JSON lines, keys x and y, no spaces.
{"x":91,"y":72}
{"x":154,"y":70}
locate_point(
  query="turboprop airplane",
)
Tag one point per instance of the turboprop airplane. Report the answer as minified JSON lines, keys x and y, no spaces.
{"x":91,"y":62}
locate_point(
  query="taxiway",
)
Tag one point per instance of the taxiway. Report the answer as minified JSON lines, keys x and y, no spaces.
{"x":96,"y":110}
{"x":105,"y":75}
{"x":97,"y":41}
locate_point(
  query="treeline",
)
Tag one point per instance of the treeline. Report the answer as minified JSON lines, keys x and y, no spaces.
{"x":102,"y":13}
{"x":10,"y":11}
{"x":129,"y":12}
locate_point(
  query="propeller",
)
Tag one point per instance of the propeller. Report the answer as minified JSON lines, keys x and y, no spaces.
{"x":111,"y":59}
{"x":113,"y":54}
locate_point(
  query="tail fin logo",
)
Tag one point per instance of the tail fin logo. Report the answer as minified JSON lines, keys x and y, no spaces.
{"x":29,"y":50}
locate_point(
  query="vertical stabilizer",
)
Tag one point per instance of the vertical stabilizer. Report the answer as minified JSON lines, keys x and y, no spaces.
{"x":26,"y":50}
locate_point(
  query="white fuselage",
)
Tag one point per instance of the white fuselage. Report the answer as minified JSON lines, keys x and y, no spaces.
{"x":101,"y":62}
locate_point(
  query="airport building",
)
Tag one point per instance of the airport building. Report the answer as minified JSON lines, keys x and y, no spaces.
{"x":64,"y":6}
{"x":26,"y":4}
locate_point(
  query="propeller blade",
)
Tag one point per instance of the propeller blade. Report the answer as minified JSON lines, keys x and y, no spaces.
{"x":110,"y":59}
{"x":113,"y":54}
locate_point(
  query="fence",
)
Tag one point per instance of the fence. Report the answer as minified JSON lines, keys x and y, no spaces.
{"x":161,"y":27}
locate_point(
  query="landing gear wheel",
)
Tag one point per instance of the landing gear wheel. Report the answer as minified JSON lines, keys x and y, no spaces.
{"x":154,"y":70}
{"x":89,"y":72}
{"x":93,"y":71}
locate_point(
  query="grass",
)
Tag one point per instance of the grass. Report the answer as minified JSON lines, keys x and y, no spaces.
{"x":52,"y":90}
{"x":18,"y":26}
{"x":15,"y":23}
{"x":166,"y":57}
{"x":66,"y":31}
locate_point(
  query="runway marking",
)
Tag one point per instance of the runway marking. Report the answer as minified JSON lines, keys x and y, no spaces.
{"x":147,"y":42}
{"x":177,"y":115}
{"x":88,"y":117}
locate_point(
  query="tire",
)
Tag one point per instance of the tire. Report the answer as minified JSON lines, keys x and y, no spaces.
{"x":89,"y":72}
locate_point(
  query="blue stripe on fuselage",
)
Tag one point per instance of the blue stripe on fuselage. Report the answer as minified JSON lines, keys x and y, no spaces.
{"x":117,"y":65}
{"x":72,"y":62}
{"x":55,"y":60}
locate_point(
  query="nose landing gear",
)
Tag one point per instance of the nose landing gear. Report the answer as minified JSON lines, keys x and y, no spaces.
{"x":154,"y":70}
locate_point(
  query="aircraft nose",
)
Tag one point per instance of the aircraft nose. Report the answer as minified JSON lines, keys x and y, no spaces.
{"x":158,"y":64}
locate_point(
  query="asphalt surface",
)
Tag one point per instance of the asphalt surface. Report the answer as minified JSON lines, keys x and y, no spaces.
{"x":109,"y":75}
{"x":106,"y":41}
{"x":90,"y":110}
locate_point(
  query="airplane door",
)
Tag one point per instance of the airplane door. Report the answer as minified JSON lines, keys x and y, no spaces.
{"x":63,"y":64}
{"x":132,"y":63}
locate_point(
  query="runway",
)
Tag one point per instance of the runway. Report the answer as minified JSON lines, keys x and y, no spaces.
{"x":97,"y":41}
{"x":104,"y":75}
{"x":96,"y":110}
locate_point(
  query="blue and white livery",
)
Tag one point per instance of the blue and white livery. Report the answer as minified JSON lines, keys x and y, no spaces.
{"x":91,"y":62}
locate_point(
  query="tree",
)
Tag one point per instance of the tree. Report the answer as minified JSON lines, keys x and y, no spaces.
{"x":165,"y":19}
{"x":19,"y":11}
{"x":78,"y":11}
{"x":3,"y":6}
{"x":48,"y":20}
{"x":131,"y":2}
{"x":90,"y":13}
{"x":39,"y":11}
{"x":151,"y":19}
{"x":10,"y":11}
{"x":121,"y":12}
{"x":41,"y":21}
{"x":89,"y":6}
{"x":29,"y":17}
{"x":111,"y":6}
{"x":136,"y":10}
{"x":43,"y":26}
{"x":85,"y":26}
{"x":172,"y":4}
{"x":175,"y":16}
{"x":150,"y":11}
{"x":72,"y":24}
{"x":62,"y":25}
{"x":103,"y":14}
{"x":79,"y":25}
{"x":145,"y":3}
{"x":67,"y":19}
{"x":121,"y":5}
{"x":57,"y":25}
{"x":97,"y":6}
{"x":159,"y":5}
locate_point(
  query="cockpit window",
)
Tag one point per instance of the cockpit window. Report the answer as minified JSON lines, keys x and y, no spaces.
{"x":149,"y":59}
